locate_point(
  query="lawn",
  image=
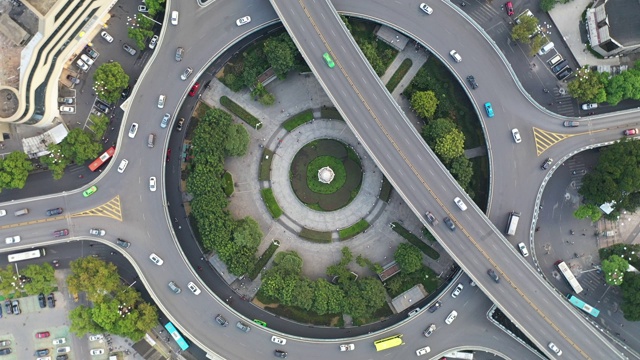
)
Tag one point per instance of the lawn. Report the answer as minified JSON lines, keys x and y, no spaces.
{"x":271,"y":203}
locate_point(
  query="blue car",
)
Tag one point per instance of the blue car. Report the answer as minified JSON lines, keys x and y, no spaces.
{"x":488,"y":109}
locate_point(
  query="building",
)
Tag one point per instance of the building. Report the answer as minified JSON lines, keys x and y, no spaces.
{"x":613,"y":28}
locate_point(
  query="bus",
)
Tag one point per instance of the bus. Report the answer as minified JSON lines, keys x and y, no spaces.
{"x":176,"y":336}
{"x":568,"y":275}
{"x":459,"y":355}
{"x":102,"y":159}
{"x":583,"y":306}
{"x":388,"y":343}
{"x":26,"y":255}
{"x":512,"y":224}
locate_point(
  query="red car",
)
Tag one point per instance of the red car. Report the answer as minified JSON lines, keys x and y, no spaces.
{"x":194,"y":89}
{"x":168,"y":154}
{"x":42,"y":335}
{"x":631,"y":132}
{"x":63,"y":232}
{"x":509,"y":7}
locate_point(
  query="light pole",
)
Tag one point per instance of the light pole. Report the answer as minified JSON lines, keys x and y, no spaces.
{"x":150,"y":19}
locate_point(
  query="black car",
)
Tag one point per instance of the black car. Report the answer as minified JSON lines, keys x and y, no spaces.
{"x":42,"y":301}
{"x":435,"y":307}
{"x":280,"y":353}
{"x":126,"y":92}
{"x":56,"y":211}
{"x":5,"y":351}
{"x":472,"y":82}
{"x":179,"y":124}
{"x":51,"y":301}
{"x":123,"y":243}
{"x":561,"y":65}
{"x":449,"y":223}
{"x":7,"y":307}
{"x":564,"y":73}
{"x":546,"y":164}
{"x":221,"y":320}
{"x":493,"y":275}
{"x":42,"y":352}
{"x":92,"y":53}
{"x":102,"y":107}
{"x":73,"y":79}
{"x":62,"y":357}
{"x":16,"y":307}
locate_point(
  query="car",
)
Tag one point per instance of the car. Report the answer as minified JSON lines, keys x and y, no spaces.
{"x":161,"y":100}
{"x":90,"y":191}
{"x":179,"y":53}
{"x":424,"y":7}
{"x":545,"y":165}
{"x":12,"y":239}
{"x":457,"y":290}
{"x":129,"y":49}
{"x":126,"y":92}
{"x":96,"y":337}
{"x":460,"y":203}
{"x":133,"y":130}
{"x":564,"y":73}
{"x":242,"y":326}
{"x":516,"y":136}
{"x":433,"y":308}
{"x":41,"y":352}
{"x":55,"y":211}
{"x":428,"y":331}
{"x":175,"y":288}
{"x":59,"y":341}
{"x":555,"y":349}
{"x":87,"y":60}
{"x":63,"y":350}
{"x":179,"y":124}
{"x":42,"y":301}
{"x":347,"y":347}
{"x":431,"y":218}
{"x":423,"y":351}
{"x":221,"y":320}
{"x":589,"y":106}
{"x":105,"y":35}
{"x":7,"y":307}
{"x":509,"y":7}
{"x":42,"y":335}
{"x":156,"y":259}
{"x":280,"y":353}
{"x":3,"y":212}
{"x":630,"y":132}
{"x":65,"y":100}
{"x":102,"y":107}
{"x":68,"y":109}
{"x":152,"y":183}
{"x":278,"y":340}
{"x":168,"y":155}
{"x":5,"y":351}
{"x":165,"y":120}
{"x":492,"y":274}
{"x":5,"y":342}
{"x":96,"y":351}
{"x":329,"y":60}
{"x":153,"y":42}
{"x":186,"y":73}
{"x":414,"y":312}
{"x":570,"y":123}
{"x":454,"y":54}
{"x":194,"y":89}
{"x":51,"y":301}
{"x":559,"y":66}
{"x":97,"y":232}
{"x":123,"y":165}
{"x":472,"y":82}
{"x":92,"y":53}
{"x":260,"y":322}
{"x":143,"y":8}
{"x":449,"y":223}
{"x":194,"y":289}
{"x":174,"y":18}
{"x":452,"y":316}
{"x":123,"y":243}
{"x":489,"y":109}
{"x":523,"y":249}
{"x":61,"y":232}
{"x":73,"y":79}
{"x":243,"y":20}
{"x":62,"y":357}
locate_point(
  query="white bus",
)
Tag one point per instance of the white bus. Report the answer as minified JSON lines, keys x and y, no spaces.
{"x":459,"y":355}
{"x":568,"y":275}
{"x":26,"y":255}
{"x":512,"y":224}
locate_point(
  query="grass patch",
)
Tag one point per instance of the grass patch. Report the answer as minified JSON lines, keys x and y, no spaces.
{"x":400,"y":73}
{"x":303,"y":316}
{"x":265,"y":165}
{"x":415,"y":241}
{"x":272,"y":204}
{"x":383,"y":313}
{"x":240,"y":112}
{"x":385,"y":192}
{"x":402,"y":282}
{"x":263,"y":260}
{"x":330,"y":113}
{"x":340,"y":175}
{"x":201,"y":109}
{"x":298,"y":119}
{"x":480,"y":181}
{"x":354,"y":229}
{"x":315,"y":236}
{"x":227,"y":184}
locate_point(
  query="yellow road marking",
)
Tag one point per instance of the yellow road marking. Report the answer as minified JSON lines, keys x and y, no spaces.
{"x":110,"y":209}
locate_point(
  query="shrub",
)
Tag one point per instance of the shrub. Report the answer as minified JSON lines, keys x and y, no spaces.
{"x":354,"y":229}
{"x":414,"y":240}
{"x":298,"y":119}
{"x":271,"y":203}
{"x":240,"y":112}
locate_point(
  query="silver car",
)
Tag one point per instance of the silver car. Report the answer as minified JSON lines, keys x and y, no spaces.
{"x":179,"y":54}
{"x":129,"y":49}
{"x":81,"y":64}
{"x":187,"y":72}
{"x":165,"y":120}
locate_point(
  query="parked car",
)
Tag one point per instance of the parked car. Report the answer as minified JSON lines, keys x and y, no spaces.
{"x":492,"y":274}
{"x":129,"y":49}
{"x":153,"y":42}
{"x":51,"y":301}
{"x":7,"y":307}
{"x":59,"y":341}
{"x":41,"y":352}
{"x":68,"y":109}
{"x":243,"y":20}
{"x":589,"y":106}
{"x":433,"y":308}
{"x":564,"y":73}
{"x":424,"y":7}
{"x":81,"y":64}
{"x":42,"y":301}
{"x":105,"y":35}
{"x":55,"y":211}
{"x":126,"y":92}
{"x":42,"y":334}
{"x":179,"y":124}
{"x":102,"y":107}
{"x":5,"y":342}
{"x":97,"y":232}
{"x":92,"y":53}
{"x":221,"y":320}
{"x":74,"y":80}
{"x":96,"y":337}
{"x":87,"y":60}
{"x":5,"y":351}
{"x":63,"y":350}
{"x":65,"y":100}
{"x":123,"y":243}
{"x":142,"y":8}
{"x":194,"y":89}
{"x":96,"y":352}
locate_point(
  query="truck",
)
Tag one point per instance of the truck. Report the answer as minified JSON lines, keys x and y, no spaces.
{"x":512,"y":224}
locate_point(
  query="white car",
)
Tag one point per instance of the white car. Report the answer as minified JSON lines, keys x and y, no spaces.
{"x":174,"y":18}
{"x":84,"y":67}
{"x":87,"y":60}
{"x":165,"y":120}
{"x":133,"y":130}
{"x":460,"y":203}
{"x":452,"y":316}
{"x":194,"y":289}
{"x":589,"y":106}
{"x":105,"y":35}
{"x":97,"y":232}
{"x":347,"y":347}
{"x":96,"y":351}
{"x":96,"y":337}
{"x":156,"y":259}
{"x":457,"y":290}
{"x":555,"y":349}
{"x":243,"y":20}
{"x":454,"y":54}
{"x":142,"y":8}
{"x":423,"y":351}
{"x":426,"y":8}
{"x":523,"y":249}
{"x":59,"y":341}
{"x":3,"y":212}
{"x":68,"y":109}
{"x":123,"y":165}
{"x":516,"y":136}
{"x":153,"y":42}
{"x":161,"y":100}
{"x":152,"y":183}
{"x":63,"y":350}
{"x":12,"y":239}
{"x":44,"y":358}
{"x":278,"y":340}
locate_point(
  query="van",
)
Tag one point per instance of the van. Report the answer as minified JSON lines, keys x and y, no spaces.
{"x":21,"y":212}
{"x":545,"y":49}
{"x":152,"y":140}
{"x":512,"y":224}
{"x":554,"y":60}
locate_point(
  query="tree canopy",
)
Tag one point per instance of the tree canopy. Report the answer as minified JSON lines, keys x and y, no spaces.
{"x":631,"y":296}
{"x":14,"y":170}
{"x":408,"y":257}
{"x":588,"y":86}
{"x":109,"y":81}
{"x":424,"y":103}
{"x":528,"y":25}
{"x":614,"y":269}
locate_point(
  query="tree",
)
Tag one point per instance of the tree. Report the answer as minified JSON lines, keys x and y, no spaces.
{"x":625,"y":85}
{"x":631,"y":296}
{"x":42,"y":279}
{"x":614,"y":269}
{"x":547,"y":5}
{"x":79,"y":146}
{"x":286,"y":263}
{"x":237,"y":141}
{"x":99,"y":125}
{"x":408,"y":257}
{"x":588,"y":86}
{"x":521,"y":32}
{"x":267,"y":99}
{"x":424,"y":103}
{"x":462,"y":170}
{"x":588,"y":211}
{"x":536,"y":43}
{"x":303,"y":294}
{"x":328,"y":298}
{"x":280,"y":53}
{"x":94,"y":277}
{"x":56,"y":161}
{"x":140,"y":36}
{"x":247,"y":233}
{"x":436,"y":129}
{"x":82,"y":322}
{"x":109,"y":81}
{"x":8,"y":280}
{"x":155,"y":7}
{"x":450,"y":146}
{"x":14,"y":170}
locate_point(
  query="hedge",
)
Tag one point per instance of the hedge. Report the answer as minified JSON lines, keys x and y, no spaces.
{"x":263,"y":260}
{"x":414,"y":240}
{"x":298,"y":119}
{"x":354,"y":229}
{"x":315,"y":236}
{"x":271,"y":203}
{"x":240,"y":112}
